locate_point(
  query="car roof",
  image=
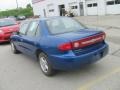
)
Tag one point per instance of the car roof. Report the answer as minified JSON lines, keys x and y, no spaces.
{"x":55,"y":17}
{"x":44,"y":18}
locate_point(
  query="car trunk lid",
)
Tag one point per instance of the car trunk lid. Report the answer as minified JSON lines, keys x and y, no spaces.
{"x":81,"y":39}
{"x":74,"y":36}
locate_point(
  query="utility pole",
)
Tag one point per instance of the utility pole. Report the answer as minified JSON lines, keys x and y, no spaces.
{"x":17,"y":3}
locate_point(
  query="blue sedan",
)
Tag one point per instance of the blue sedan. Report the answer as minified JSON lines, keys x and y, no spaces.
{"x":59,"y":43}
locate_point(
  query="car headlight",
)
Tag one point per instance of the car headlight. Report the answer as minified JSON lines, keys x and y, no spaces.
{"x":1,"y":32}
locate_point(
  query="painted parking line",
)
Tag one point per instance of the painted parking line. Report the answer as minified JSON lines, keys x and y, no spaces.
{"x":92,"y":83}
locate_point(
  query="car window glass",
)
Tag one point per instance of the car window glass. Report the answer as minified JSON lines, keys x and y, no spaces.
{"x":63,"y":25}
{"x":32,"y":29}
{"x":23,"y":28}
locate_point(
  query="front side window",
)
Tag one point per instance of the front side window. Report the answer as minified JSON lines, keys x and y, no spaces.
{"x":32,"y":29}
{"x":63,"y":25}
{"x":23,"y":28}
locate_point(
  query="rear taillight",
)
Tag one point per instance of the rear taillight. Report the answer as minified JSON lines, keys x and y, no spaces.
{"x":82,"y":43}
{"x":103,"y":35}
{"x":65,"y":47}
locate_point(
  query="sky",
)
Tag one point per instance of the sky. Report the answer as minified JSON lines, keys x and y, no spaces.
{"x":11,"y":4}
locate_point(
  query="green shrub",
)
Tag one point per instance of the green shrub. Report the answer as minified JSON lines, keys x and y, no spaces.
{"x":28,"y":12}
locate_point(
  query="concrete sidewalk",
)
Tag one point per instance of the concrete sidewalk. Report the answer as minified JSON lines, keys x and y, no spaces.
{"x":111,"y":21}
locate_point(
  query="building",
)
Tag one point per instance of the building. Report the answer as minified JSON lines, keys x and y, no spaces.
{"x":78,"y":7}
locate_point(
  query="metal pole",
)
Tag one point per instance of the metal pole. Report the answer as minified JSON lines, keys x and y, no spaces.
{"x":17,"y":3}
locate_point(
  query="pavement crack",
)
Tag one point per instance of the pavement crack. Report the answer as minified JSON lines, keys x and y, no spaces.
{"x":116,"y":53}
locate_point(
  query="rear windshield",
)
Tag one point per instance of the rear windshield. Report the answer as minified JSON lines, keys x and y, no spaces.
{"x":63,"y":25}
{"x":7,"y":22}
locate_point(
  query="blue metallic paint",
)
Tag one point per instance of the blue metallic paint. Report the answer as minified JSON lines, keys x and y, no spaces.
{"x":49,"y":44}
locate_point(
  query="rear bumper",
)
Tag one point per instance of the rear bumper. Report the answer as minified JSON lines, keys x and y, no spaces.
{"x":69,"y":62}
{"x":2,"y":41}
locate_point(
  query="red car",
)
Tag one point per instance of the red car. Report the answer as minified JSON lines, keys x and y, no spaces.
{"x":7,"y":27}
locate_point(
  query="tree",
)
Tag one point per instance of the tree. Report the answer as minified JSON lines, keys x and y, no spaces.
{"x":28,"y":12}
{"x":28,"y":6}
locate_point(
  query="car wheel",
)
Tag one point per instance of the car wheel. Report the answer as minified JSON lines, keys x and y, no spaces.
{"x":13,"y":48}
{"x":45,"y":65}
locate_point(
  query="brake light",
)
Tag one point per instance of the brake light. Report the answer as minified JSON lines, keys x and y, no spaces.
{"x":65,"y":47}
{"x":76,"y":45}
{"x":88,"y":41}
{"x":82,"y":43}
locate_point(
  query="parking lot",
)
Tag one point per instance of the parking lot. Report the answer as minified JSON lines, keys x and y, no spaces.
{"x":20,"y":72}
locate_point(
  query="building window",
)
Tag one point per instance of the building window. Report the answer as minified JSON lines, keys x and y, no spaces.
{"x":110,"y":2}
{"x":89,"y":5}
{"x":113,"y":2}
{"x":51,"y":10}
{"x":117,"y":1}
{"x":74,"y":7}
{"x":94,"y":4}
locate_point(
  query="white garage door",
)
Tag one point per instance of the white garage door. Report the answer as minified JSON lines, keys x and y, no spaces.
{"x":92,"y":8}
{"x":113,"y":6}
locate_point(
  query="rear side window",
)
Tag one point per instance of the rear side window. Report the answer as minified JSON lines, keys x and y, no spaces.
{"x":23,"y":28}
{"x":32,"y":29}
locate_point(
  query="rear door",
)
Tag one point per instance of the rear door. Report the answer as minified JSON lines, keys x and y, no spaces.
{"x":31,"y":39}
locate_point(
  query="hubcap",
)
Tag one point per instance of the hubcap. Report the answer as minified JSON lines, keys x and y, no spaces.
{"x":44,"y":64}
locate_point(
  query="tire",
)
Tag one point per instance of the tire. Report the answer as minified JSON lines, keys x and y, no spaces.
{"x":45,"y":65}
{"x":13,"y":48}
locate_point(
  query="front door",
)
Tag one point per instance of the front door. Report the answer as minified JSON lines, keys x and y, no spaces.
{"x":81,"y":9}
